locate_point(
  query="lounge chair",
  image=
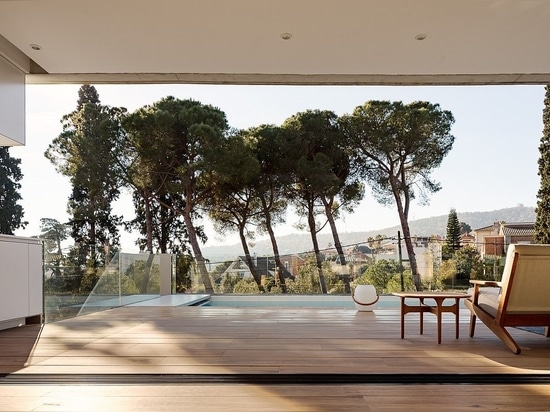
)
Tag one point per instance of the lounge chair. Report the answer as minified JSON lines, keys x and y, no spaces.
{"x":521,"y":298}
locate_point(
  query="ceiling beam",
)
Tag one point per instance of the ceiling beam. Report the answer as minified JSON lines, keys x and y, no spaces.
{"x":291,"y":79}
{"x":15,"y":56}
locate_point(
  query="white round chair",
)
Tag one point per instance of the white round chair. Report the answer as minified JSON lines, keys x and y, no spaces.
{"x":365,"y":297}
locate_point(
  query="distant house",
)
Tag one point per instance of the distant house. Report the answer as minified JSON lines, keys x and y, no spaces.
{"x":291,"y":263}
{"x":359,"y":255}
{"x":467,"y":239}
{"x":427,"y":251}
{"x":517,"y":233}
{"x":493,"y":240}
{"x":364,"y":249}
{"x":487,"y":240}
{"x":355,"y":257}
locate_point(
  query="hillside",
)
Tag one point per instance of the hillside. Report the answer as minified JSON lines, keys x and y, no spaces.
{"x":436,"y":225}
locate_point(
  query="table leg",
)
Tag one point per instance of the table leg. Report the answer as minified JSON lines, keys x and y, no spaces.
{"x":438,"y":309}
{"x":457,"y":305}
{"x":402,"y":318}
{"x":421,"y":316}
{"x":439,"y":303}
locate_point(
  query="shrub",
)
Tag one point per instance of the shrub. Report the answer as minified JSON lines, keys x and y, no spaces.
{"x":246,"y":286}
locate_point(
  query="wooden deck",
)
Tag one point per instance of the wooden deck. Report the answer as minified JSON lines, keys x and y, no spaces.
{"x":267,"y":359}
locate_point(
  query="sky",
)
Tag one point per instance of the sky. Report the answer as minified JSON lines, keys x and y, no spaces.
{"x":493,"y":163}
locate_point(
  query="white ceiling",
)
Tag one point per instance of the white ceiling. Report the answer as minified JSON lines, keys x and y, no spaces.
{"x":239,"y":41}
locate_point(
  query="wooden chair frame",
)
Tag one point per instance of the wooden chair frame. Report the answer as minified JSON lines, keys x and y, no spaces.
{"x":513,"y":308}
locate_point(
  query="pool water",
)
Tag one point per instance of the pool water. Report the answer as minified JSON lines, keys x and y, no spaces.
{"x":304,"y":301}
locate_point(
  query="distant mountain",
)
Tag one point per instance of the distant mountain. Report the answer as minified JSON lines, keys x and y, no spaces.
{"x":437,"y":225}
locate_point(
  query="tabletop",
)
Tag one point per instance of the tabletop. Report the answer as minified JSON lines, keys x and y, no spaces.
{"x":431,"y":294}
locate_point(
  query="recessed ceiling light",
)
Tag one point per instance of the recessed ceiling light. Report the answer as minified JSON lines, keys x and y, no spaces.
{"x":286,"y":36}
{"x":36,"y":47}
{"x":420,"y":36}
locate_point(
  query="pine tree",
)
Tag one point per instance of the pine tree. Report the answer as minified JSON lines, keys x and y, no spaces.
{"x":399,"y":146}
{"x":542,"y":220}
{"x":87,"y":94}
{"x":452,"y":242}
{"x":85,"y":152}
{"x":11,"y":214}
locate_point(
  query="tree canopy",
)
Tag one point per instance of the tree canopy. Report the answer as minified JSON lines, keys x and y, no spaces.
{"x":188,"y":141}
{"x":452,"y":240}
{"x":542,"y":221}
{"x":11,"y":213}
{"x":181,"y":162}
{"x":86,"y":152}
{"x":315,"y":147}
{"x":399,"y":145}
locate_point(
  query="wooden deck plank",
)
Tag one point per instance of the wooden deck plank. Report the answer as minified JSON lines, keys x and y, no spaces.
{"x":288,"y":339}
{"x":196,"y":340}
{"x":280,"y":398}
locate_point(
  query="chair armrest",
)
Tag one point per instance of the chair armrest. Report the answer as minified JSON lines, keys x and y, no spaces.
{"x":482,"y":283}
{"x":491,"y":283}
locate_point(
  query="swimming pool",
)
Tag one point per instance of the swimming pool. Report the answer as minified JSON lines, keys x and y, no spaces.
{"x":303,"y":301}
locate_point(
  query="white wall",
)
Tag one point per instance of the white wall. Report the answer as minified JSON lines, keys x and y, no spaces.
{"x":12,"y":105}
{"x":21,"y":280}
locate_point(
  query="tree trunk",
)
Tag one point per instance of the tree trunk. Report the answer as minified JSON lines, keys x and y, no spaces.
{"x":403,"y":210}
{"x":332,"y":224}
{"x":249,"y":261}
{"x":313,"y":232}
{"x":146,"y":274}
{"x":92,"y":245}
{"x":278,"y":263}
{"x":148,"y":223}
{"x":410,"y":252}
{"x":149,"y":245}
{"x":275,"y":246}
{"x":193,"y":240}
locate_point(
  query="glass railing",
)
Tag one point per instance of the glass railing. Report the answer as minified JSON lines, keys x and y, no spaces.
{"x":79,"y":281}
{"x":75,"y":284}
{"x":127,"y":279}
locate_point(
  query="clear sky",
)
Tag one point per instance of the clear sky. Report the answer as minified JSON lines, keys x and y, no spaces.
{"x":492,"y":165}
